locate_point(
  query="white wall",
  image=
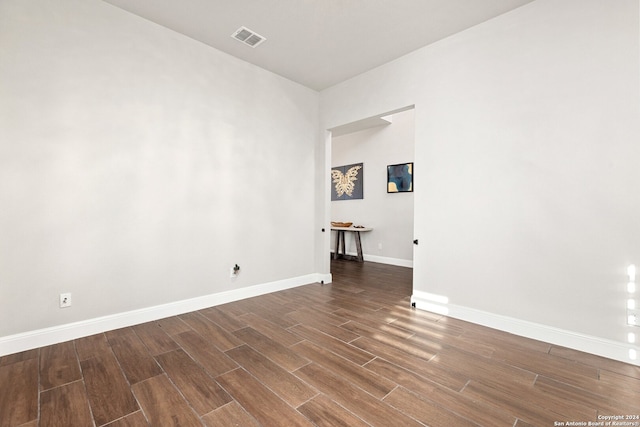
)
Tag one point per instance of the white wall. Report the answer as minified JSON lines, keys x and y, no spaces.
{"x":527,"y":145}
{"x":137,"y":166}
{"x":390,"y":215}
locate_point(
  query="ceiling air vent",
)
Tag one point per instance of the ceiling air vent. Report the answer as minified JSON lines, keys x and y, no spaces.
{"x":248,"y":37}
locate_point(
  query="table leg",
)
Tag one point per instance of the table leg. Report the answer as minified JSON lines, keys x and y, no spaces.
{"x":335,"y":252}
{"x":359,"y":247}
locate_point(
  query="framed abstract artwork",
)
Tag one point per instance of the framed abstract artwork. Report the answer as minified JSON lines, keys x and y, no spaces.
{"x":400,"y":178}
{"x":347,"y":182}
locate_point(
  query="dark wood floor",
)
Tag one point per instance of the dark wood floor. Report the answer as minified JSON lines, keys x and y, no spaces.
{"x":351,"y":353}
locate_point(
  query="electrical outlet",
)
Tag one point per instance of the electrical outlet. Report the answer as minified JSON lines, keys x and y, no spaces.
{"x":234,"y":271}
{"x":65,"y":300}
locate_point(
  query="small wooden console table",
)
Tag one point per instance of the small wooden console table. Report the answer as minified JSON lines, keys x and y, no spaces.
{"x":340,"y":238}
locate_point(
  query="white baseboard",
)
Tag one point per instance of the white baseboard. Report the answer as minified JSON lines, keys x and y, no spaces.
{"x":391,"y":261}
{"x":384,"y":260}
{"x":324,"y":278}
{"x":56,"y":334}
{"x":577,"y":341}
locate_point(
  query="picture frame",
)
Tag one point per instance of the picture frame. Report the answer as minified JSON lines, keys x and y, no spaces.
{"x":400,"y":178}
{"x":347,"y":182}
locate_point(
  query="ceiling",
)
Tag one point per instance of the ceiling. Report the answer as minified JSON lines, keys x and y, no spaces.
{"x":319,"y":43}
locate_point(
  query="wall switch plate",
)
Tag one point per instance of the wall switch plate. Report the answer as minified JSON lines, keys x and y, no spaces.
{"x":65,"y":300}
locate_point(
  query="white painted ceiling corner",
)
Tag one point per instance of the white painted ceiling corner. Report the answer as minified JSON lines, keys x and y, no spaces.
{"x":320,"y":43}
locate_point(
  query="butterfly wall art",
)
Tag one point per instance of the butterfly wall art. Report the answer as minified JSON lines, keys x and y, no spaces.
{"x":347,"y":182}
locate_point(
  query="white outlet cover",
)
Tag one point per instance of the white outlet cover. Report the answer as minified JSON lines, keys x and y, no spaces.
{"x":65,"y":300}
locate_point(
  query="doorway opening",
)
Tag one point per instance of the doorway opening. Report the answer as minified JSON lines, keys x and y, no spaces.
{"x":375,"y":144}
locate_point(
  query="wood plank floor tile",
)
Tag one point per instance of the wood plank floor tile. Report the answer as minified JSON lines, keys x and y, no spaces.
{"x":444,"y":334}
{"x":424,"y":325}
{"x":413,"y":348}
{"x":173,"y":325}
{"x":201,"y":391}
{"x":352,"y":303}
{"x":163,"y":405}
{"x":225,"y":320}
{"x":618,"y":384}
{"x":276,"y":315}
{"x":236,"y":308}
{"x":92,"y":346}
{"x":602,"y":402}
{"x":335,"y":331}
{"x":363,"y":378}
{"x":460,"y":343}
{"x":19,"y":392}
{"x":259,"y":401}
{"x":289,"y":387}
{"x":58,"y":365}
{"x":577,"y":374}
{"x":277,"y":299}
{"x":376,"y":321}
{"x":599,"y":362}
{"x":354,"y":399}
{"x":425,"y":410}
{"x":133,"y":356}
{"x":446,"y":377}
{"x":335,"y":345}
{"x":363,"y":303}
{"x":19,"y":357}
{"x":521,"y":423}
{"x":519,"y":405}
{"x":317,"y":316}
{"x":231,"y":414}
{"x":136,"y":419}
{"x":210,"y":331}
{"x":486,"y":370}
{"x":549,"y":399}
{"x":413,"y":319}
{"x":214,"y":361}
{"x":270,"y":329}
{"x":308,"y":297}
{"x":473,"y":410}
{"x":155,"y":338}
{"x":65,"y":406}
{"x":108,"y":391}
{"x":322,"y":293}
{"x":324,"y":412}
{"x":497,"y":338}
{"x":283,"y":356}
{"x":320,"y":324}
{"x":486,"y":341}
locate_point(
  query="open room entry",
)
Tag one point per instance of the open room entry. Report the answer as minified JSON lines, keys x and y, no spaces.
{"x":372,"y":185}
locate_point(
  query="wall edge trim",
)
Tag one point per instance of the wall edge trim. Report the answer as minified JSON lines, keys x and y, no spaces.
{"x":383,"y":259}
{"x":574,"y":340}
{"x":56,"y":334}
